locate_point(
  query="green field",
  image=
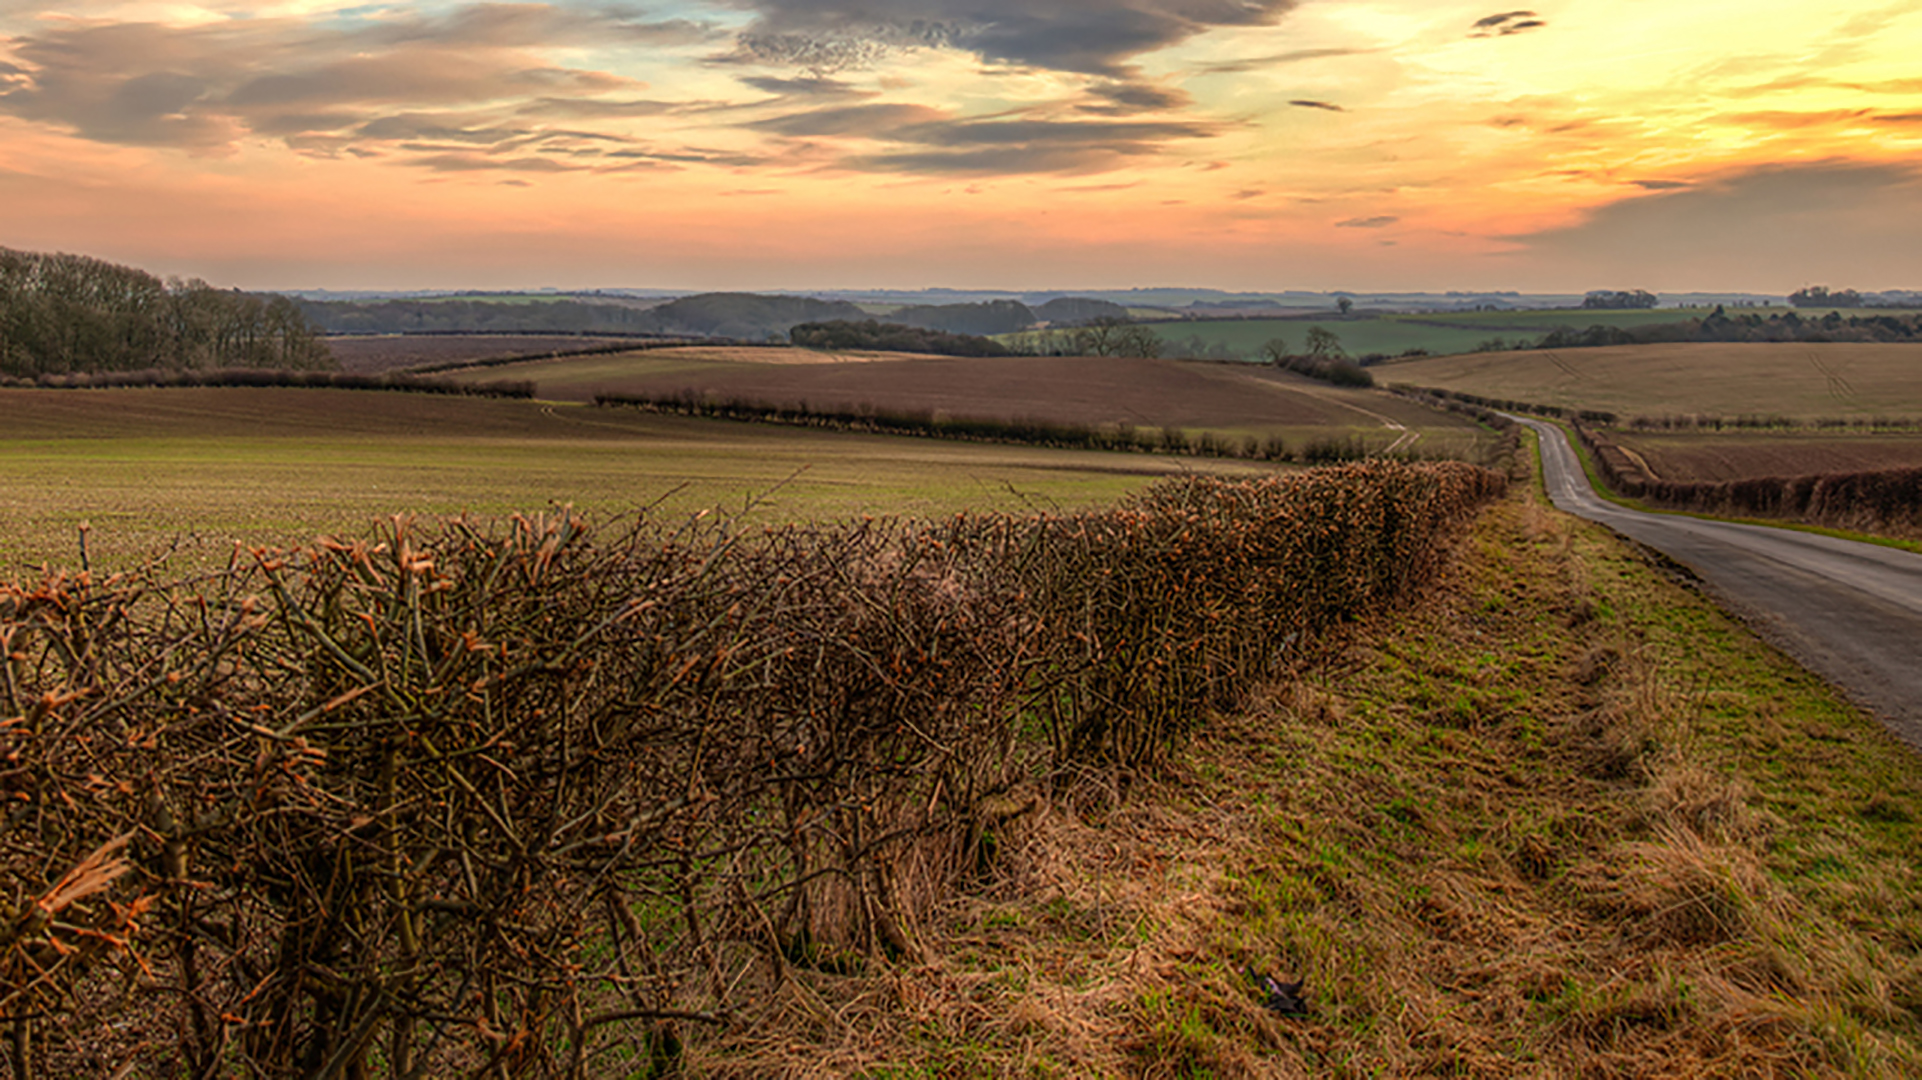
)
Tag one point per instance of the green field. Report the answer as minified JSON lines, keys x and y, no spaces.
{"x":1802,"y":381}
{"x":1441,"y":333}
{"x":275,"y":466}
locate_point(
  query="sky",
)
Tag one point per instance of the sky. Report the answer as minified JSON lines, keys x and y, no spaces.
{"x":985,"y":144}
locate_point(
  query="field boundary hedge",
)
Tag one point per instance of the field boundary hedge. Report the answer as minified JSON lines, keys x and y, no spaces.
{"x":1024,"y":431}
{"x":502,"y":799}
{"x":330,"y":380}
{"x":1879,"y":501}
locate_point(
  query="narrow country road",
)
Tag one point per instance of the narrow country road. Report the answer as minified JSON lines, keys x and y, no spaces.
{"x":1851,"y":612}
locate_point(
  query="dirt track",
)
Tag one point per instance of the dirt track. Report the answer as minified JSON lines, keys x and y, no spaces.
{"x":1851,"y":612}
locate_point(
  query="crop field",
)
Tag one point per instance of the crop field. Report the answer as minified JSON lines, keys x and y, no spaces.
{"x":1441,"y":333}
{"x":146,"y":467}
{"x":375,"y":353}
{"x":1793,"y":380}
{"x":1230,"y":399}
{"x":1743,"y":455}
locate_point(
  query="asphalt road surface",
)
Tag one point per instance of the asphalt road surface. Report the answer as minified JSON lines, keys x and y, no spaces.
{"x":1850,"y":612}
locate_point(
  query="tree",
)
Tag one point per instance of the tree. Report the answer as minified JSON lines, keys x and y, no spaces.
{"x":1115,"y":337}
{"x":1323,"y":344}
{"x":1625,"y":300}
{"x":1344,"y":305}
{"x":1820,"y":296}
{"x":1276,"y":351}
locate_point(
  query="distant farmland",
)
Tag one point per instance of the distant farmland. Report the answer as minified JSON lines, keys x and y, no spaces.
{"x":1230,"y":399}
{"x":1796,"y":380}
{"x":375,"y":353}
{"x":1440,"y":333}
{"x":1744,"y":455}
{"x":273,"y":466}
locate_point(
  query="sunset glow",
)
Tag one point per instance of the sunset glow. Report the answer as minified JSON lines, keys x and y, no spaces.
{"x":1251,"y":144}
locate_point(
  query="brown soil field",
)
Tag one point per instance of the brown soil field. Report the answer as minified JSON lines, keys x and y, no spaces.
{"x":1229,"y":398}
{"x":1746,"y":455}
{"x":1802,"y":381}
{"x":374,"y":353}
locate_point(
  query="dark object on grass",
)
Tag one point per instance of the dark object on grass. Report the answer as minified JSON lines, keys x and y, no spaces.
{"x":1282,"y":998}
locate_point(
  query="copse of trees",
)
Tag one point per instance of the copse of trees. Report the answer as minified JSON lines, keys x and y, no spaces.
{"x":1820,"y":296}
{"x":892,"y":337}
{"x":1626,"y":300}
{"x":990,"y":317}
{"x":62,"y":314}
{"x":1325,"y":359}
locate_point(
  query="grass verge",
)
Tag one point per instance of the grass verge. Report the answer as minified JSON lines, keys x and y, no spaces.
{"x":1600,"y":483}
{"x":1562,"y":818}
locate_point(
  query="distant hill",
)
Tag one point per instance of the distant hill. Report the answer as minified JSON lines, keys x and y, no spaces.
{"x":1079,"y":309}
{"x":992,"y":317}
{"x":746,"y":316}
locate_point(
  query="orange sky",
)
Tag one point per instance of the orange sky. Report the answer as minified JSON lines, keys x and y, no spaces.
{"x":1247,"y":144}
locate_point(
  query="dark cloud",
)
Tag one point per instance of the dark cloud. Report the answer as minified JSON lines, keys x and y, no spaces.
{"x":811,"y":87}
{"x":1128,"y":99}
{"x":1661,"y":185}
{"x":1096,"y":37}
{"x":1306,"y":103}
{"x":961,"y":147}
{"x":1506,"y":23}
{"x":1262,"y":63}
{"x":1900,"y":118}
{"x":1843,"y":220}
{"x":1380,"y":222}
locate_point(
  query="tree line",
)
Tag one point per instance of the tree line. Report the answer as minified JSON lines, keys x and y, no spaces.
{"x":872,"y":334}
{"x":62,"y":314}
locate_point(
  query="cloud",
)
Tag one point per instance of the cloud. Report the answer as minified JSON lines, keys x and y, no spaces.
{"x":1379,"y":222}
{"x":1307,"y":103}
{"x":1506,"y":23}
{"x":807,"y":87}
{"x":1770,"y":226}
{"x":1661,"y":185}
{"x":1129,"y":98}
{"x":1097,"y":37}
{"x":204,"y":87}
{"x":1262,"y":63}
{"x":858,"y":121}
{"x":932,"y":141}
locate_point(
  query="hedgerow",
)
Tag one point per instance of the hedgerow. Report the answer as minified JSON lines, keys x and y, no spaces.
{"x":464,"y":798}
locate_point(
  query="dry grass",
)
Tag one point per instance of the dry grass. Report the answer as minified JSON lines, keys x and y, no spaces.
{"x":1562,"y":820}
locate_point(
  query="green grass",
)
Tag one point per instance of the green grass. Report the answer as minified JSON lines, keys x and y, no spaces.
{"x":1440,"y":333}
{"x":144,"y":467}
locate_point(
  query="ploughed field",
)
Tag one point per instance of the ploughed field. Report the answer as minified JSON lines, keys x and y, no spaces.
{"x":1743,"y":455}
{"x":371,"y":354}
{"x":1235,"y":400}
{"x":144,"y":467}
